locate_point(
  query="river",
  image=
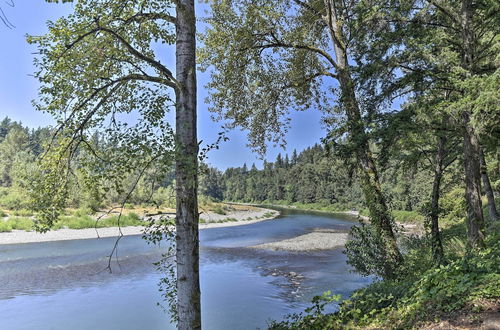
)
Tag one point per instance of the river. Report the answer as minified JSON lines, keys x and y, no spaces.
{"x":64,"y":284}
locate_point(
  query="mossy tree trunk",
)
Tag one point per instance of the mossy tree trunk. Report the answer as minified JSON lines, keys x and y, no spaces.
{"x":475,"y":220}
{"x":375,"y":200}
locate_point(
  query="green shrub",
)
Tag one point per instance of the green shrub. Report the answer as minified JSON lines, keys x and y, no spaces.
{"x":130,"y":219}
{"x":407,"y":216}
{"x":365,"y":252}
{"x":424,"y":293}
{"x":21,"y":223}
{"x":453,"y":207}
{"x":74,"y":222}
{"x":5,"y":226}
{"x":219,"y":210}
{"x":3,"y":214}
{"x":81,"y":212}
{"x":23,"y":213}
{"x":14,"y":200}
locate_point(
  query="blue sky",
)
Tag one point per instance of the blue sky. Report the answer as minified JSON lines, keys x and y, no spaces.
{"x":18,"y":88}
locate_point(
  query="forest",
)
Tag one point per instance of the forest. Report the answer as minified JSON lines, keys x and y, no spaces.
{"x":409,"y":101}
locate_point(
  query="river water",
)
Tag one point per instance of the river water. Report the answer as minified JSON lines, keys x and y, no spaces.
{"x":64,"y":285}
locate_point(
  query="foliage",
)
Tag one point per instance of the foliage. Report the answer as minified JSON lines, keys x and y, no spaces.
{"x":18,"y":223}
{"x":219,"y":210}
{"x":312,"y":319}
{"x":425,"y":292}
{"x":158,"y":232}
{"x":313,"y":178}
{"x":13,"y":199}
{"x":407,"y":216}
{"x":365,"y":251}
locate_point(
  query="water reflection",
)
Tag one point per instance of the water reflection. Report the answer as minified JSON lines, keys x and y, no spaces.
{"x":61,"y":285}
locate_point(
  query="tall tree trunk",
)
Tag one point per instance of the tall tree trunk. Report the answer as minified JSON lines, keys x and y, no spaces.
{"x":379,"y":212}
{"x":436,"y":243}
{"x":475,"y":221}
{"x":492,"y":209}
{"x":186,"y":169}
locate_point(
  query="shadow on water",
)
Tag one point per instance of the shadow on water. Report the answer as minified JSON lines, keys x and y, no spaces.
{"x":242,"y":287}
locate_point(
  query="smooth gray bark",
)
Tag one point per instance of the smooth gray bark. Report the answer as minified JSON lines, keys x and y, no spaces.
{"x":187,"y":239}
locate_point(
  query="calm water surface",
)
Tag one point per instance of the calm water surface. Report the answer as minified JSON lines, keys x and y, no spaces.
{"x":64,"y":285}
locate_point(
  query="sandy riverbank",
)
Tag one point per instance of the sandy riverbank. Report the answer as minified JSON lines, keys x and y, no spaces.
{"x":212,"y":220}
{"x":318,"y":239}
{"x":326,"y":239}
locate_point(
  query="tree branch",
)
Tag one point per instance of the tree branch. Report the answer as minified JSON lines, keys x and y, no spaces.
{"x":279,"y":44}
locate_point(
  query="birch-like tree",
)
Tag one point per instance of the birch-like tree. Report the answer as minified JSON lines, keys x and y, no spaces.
{"x":103,"y":68}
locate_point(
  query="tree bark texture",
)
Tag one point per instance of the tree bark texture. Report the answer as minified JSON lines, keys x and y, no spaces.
{"x":492,"y":209}
{"x":475,"y":221}
{"x":436,"y":242}
{"x":186,"y":169}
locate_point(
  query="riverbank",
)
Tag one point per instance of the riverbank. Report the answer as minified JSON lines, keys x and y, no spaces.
{"x":409,"y":223}
{"x":237,"y":217}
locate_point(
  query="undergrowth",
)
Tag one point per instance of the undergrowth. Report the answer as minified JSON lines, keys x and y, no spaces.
{"x":423,"y":291}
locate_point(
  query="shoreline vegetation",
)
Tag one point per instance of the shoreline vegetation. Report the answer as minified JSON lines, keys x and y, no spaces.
{"x":219,"y":216}
{"x":409,"y":222}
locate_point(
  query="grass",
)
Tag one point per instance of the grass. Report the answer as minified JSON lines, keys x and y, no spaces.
{"x":324,"y":207}
{"x":407,"y":216}
{"x":5,"y":226}
{"x":82,"y":218}
{"x":16,"y":223}
{"x":76,"y":222}
{"x":86,"y":221}
{"x":219,"y":210}
{"x":23,"y":213}
{"x":72,"y":222}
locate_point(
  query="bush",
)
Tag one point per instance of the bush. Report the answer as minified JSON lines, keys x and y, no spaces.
{"x":14,"y":200}
{"x":5,"y":226}
{"x":21,"y":223}
{"x":81,"y":212}
{"x":407,"y":216}
{"x":219,"y":210}
{"x":23,"y":213}
{"x":77,"y":222}
{"x":425,"y":293}
{"x":453,"y":207}
{"x":3,"y":214}
{"x":130,"y":219}
{"x":366,"y":253}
